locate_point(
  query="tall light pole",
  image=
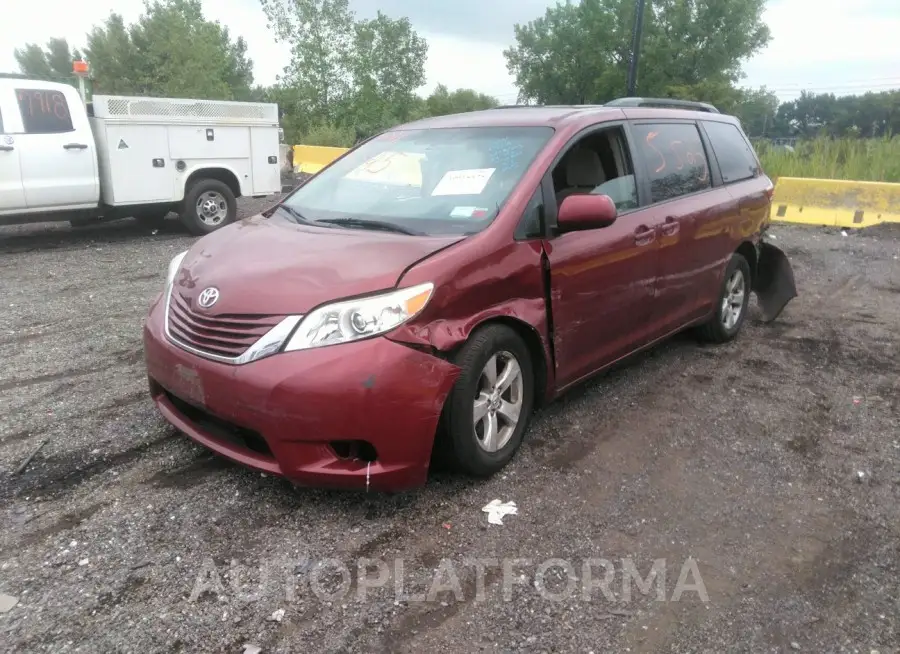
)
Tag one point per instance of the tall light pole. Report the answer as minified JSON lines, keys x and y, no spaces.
{"x":635,"y":47}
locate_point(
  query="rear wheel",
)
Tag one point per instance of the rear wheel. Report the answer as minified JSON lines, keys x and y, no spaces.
{"x":491,"y":403}
{"x":208,"y":205}
{"x":731,"y":306}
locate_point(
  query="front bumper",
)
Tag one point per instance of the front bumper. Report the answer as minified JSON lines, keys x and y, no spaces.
{"x":289,"y":414}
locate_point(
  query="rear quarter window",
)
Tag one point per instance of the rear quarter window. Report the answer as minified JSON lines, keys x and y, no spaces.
{"x":44,"y":111}
{"x":736,"y":160}
{"x":674,"y":159}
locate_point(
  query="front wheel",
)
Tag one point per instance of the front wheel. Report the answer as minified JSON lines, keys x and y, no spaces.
{"x":208,"y":205}
{"x":491,"y":403}
{"x":731,"y":305}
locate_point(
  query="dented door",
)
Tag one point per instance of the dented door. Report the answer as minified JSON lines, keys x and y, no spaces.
{"x":601,"y":286}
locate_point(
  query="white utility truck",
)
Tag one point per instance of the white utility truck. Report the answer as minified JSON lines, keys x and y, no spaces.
{"x":119,"y":157}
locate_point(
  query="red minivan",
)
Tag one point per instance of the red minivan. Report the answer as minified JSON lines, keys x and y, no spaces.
{"x":431,"y":287}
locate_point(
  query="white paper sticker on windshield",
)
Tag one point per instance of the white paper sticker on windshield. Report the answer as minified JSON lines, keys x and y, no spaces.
{"x":468,"y":212}
{"x":463,"y":182}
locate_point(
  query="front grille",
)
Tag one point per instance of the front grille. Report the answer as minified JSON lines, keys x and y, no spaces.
{"x":226,"y":335}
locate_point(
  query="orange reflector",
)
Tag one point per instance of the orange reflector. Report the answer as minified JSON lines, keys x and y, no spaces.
{"x":416,"y":302}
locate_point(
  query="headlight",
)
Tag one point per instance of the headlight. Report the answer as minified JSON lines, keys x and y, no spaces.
{"x":352,"y":320}
{"x":174,"y":265}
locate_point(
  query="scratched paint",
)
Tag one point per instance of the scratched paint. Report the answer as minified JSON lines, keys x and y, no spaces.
{"x":190,"y":384}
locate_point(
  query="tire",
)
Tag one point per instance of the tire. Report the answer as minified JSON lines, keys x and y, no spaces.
{"x":196,"y":219}
{"x":730,"y":315}
{"x":465,"y":446}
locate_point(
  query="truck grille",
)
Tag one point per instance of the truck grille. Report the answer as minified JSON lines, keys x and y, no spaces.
{"x":226,"y":335}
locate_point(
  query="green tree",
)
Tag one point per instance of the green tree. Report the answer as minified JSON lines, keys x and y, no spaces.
{"x":387,"y":65}
{"x":171,"y":51}
{"x":442,"y":101}
{"x":346,"y":75}
{"x":116,"y":65}
{"x":810,"y":114}
{"x":757,"y":111}
{"x":320,"y":35}
{"x":579,"y":52}
{"x":869,"y":115}
{"x":51,"y":63}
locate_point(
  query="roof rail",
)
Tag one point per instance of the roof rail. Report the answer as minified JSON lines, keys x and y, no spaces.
{"x":549,"y":106}
{"x":665,"y":103}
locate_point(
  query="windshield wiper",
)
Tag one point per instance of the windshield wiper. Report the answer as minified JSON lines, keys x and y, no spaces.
{"x":381,"y":225}
{"x":296,"y":215}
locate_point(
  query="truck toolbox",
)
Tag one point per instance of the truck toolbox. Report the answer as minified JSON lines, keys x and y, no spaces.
{"x":148,"y":147}
{"x":122,"y":156}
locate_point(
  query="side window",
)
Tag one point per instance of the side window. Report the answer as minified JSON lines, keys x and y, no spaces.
{"x":736,"y":160}
{"x":674,"y":157}
{"x":598,"y":164}
{"x":44,"y":111}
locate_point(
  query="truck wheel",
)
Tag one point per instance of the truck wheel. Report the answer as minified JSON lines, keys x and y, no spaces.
{"x":491,"y":403}
{"x":208,"y":205}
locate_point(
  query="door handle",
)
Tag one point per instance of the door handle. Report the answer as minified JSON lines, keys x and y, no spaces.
{"x":75,"y":146}
{"x":670,"y":227}
{"x":6,"y":148}
{"x":643,"y":235}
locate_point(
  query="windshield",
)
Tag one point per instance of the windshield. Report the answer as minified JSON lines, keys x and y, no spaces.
{"x":427,"y":181}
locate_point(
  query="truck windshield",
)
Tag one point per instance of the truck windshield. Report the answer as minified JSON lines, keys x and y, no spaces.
{"x":428,"y":181}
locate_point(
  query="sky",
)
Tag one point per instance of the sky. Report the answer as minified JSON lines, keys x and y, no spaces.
{"x":827,"y":46}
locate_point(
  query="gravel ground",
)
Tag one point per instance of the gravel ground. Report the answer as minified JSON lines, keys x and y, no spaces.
{"x":772,"y":464}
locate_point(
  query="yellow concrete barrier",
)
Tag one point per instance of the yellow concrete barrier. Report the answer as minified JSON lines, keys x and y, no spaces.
{"x":401,"y":168}
{"x":835,"y":202}
{"x":312,"y":158}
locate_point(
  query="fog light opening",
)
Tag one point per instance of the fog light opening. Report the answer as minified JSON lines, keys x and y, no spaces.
{"x":354,"y":450}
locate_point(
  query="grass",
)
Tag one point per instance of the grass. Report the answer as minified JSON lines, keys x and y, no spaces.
{"x":864,"y":160}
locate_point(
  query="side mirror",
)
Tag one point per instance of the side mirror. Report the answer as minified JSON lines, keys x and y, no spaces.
{"x":579,"y":212}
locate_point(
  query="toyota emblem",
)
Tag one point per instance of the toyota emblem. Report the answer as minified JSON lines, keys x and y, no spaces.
{"x":208,"y":297}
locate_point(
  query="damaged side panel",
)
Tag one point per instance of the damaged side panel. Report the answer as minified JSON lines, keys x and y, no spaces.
{"x":513,"y":291}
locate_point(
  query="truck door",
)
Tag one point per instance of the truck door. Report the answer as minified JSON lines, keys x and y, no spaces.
{"x":12,"y":194}
{"x":265,"y":151}
{"x":56,"y":148}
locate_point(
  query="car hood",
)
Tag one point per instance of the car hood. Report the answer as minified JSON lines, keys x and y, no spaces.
{"x":271,"y":266}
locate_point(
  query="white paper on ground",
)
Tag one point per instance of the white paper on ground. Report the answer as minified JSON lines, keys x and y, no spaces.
{"x":7,"y":602}
{"x":497,"y":510}
{"x":463,"y":182}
